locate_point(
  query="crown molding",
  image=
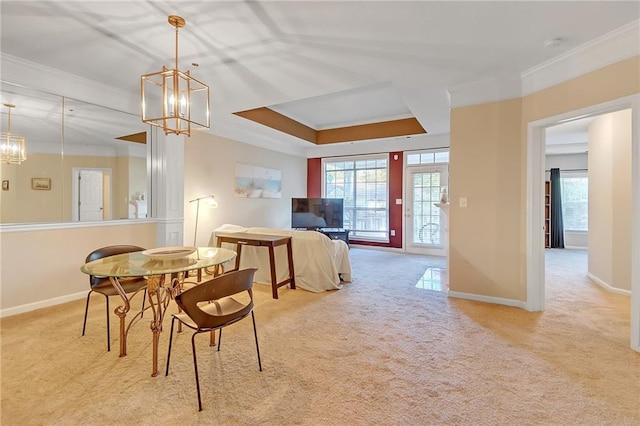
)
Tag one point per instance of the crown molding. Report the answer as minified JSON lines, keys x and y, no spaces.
{"x":483,"y":91}
{"x":53,"y":81}
{"x":615,"y":46}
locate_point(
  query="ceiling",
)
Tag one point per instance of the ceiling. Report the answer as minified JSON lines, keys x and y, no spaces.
{"x":323,"y":64}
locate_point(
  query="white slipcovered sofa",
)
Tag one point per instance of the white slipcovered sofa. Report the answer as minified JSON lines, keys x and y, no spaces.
{"x":320,"y":263}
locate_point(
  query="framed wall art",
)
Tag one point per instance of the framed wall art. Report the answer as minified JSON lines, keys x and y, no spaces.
{"x":41,"y":183}
{"x":257,"y":182}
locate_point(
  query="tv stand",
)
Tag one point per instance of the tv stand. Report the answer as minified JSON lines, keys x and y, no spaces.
{"x":335,"y":234}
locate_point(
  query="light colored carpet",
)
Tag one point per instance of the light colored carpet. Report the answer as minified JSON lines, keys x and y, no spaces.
{"x":379,"y":351}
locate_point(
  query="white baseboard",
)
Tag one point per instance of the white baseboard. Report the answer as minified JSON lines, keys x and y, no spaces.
{"x":606,"y":286}
{"x":41,"y":304}
{"x":381,"y":248}
{"x":488,"y":299}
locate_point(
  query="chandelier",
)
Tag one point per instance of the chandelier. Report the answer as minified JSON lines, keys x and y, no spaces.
{"x":172,"y":99}
{"x":12,"y":147}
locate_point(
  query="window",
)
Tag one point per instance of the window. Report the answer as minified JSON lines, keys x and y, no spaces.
{"x":575,"y":203}
{"x":427,"y":157}
{"x":363,"y":184}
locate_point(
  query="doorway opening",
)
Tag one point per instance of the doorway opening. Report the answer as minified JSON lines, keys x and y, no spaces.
{"x":426,"y":232}
{"x":535,"y":205}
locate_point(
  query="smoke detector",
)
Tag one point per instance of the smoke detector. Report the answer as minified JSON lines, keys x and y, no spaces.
{"x":552,"y":42}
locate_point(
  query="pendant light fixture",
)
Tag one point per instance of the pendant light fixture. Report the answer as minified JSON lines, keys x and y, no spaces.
{"x":13,"y":147}
{"x":172,"y":99}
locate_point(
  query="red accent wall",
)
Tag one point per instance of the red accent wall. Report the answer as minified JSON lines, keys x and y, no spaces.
{"x":314,"y":177}
{"x":396,"y":170}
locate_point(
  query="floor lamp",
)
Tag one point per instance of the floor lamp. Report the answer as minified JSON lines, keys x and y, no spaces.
{"x":211,"y":202}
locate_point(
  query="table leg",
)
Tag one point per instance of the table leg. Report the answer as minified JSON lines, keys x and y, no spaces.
{"x":156,"y":340}
{"x":292,"y":274}
{"x":159,"y":298}
{"x":238,"y":253}
{"x":274,"y":278}
{"x":121,"y":311}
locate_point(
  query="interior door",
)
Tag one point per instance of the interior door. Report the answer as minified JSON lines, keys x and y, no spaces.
{"x":425,"y":217}
{"x":90,"y":195}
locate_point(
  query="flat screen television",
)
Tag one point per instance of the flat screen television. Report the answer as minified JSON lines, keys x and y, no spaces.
{"x":313,"y":213}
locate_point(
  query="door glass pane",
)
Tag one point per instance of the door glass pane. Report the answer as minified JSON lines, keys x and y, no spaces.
{"x":426,"y":216}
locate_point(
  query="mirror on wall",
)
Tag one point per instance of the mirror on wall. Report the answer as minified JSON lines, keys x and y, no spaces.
{"x":84,"y":162}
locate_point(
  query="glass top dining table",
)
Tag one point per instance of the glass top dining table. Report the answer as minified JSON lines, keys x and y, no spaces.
{"x":155,"y":265}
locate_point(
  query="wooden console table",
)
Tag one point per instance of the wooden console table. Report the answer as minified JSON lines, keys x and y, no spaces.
{"x":259,"y":240}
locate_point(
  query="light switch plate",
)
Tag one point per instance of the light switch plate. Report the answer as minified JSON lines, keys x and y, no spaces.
{"x":463,"y":202}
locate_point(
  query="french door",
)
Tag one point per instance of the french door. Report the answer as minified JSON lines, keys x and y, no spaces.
{"x":425,"y":216}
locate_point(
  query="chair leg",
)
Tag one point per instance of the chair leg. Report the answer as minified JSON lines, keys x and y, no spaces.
{"x":108,"y":327}
{"x":195,"y":367}
{"x":144,"y":298}
{"x":86,"y":311}
{"x":219,"y":338}
{"x":173,"y":320}
{"x":255,"y":334}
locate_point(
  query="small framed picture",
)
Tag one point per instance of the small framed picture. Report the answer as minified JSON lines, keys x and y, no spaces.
{"x":5,"y":185}
{"x":41,"y":183}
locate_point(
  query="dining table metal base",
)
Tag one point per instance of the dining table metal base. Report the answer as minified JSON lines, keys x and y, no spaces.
{"x":159,"y":297}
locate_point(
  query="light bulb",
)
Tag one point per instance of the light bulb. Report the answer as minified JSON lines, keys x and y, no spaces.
{"x":171,"y":107}
{"x":183,"y":106}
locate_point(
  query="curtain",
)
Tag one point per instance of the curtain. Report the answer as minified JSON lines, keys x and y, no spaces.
{"x":557,"y":227}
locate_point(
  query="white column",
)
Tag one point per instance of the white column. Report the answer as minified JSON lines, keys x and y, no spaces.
{"x":167,"y":188}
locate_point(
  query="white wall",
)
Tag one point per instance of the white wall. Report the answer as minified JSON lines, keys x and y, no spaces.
{"x":210,"y":169}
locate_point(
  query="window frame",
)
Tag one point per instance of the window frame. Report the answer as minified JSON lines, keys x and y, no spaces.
{"x":355,"y":158}
{"x":421,"y":152}
{"x":569,"y":175}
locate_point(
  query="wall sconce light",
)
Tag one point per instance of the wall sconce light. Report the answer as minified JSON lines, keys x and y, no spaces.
{"x":172,"y":99}
{"x":13,"y":147}
{"x":211,"y":202}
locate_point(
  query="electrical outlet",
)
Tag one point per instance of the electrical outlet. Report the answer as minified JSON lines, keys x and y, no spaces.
{"x":393,"y":232}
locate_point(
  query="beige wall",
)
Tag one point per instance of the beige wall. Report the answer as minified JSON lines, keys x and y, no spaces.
{"x":43,"y":267}
{"x":210,"y":163}
{"x":621,"y":232}
{"x":610,"y":199}
{"x":21,"y":204}
{"x":489,"y":166}
{"x":485,"y":236}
